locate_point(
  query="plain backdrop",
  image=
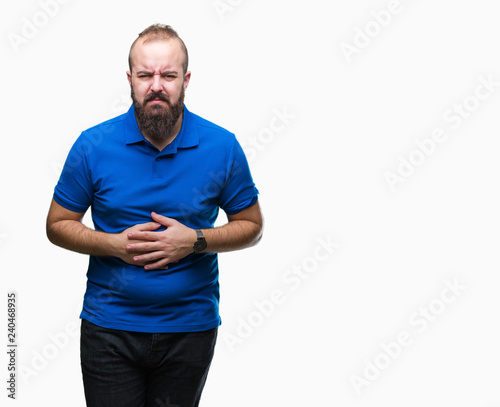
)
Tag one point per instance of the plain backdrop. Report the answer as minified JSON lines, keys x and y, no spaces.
{"x":350,"y":283}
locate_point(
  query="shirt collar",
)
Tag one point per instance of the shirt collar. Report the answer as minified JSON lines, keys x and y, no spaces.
{"x":186,"y":138}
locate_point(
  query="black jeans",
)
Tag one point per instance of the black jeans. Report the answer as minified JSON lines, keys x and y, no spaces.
{"x":136,"y":369}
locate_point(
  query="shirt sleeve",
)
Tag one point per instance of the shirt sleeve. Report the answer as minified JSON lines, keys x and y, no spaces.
{"x":74,"y":189}
{"x":239,"y":190}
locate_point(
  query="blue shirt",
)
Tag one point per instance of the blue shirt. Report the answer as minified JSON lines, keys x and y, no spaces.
{"x":114,"y":170}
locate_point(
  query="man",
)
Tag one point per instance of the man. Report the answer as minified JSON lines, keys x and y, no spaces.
{"x":155,"y":178}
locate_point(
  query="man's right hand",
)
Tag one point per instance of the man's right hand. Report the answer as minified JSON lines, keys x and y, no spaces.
{"x":121,"y":241}
{"x":65,"y":229}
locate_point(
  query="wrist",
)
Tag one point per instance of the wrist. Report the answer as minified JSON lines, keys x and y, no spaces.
{"x":200,"y":245}
{"x":115,"y":245}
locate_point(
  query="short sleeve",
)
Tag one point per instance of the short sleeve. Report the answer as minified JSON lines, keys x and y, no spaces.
{"x":74,"y":189}
{"x":239,"y":190}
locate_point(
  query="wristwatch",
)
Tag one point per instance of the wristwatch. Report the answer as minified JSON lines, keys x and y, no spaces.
{"x":201,"y":244}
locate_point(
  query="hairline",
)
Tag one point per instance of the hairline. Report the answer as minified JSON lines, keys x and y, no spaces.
{"x":152,"y":37}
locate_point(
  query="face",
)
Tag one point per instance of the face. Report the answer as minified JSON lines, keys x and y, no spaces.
{"x":157,"y":84}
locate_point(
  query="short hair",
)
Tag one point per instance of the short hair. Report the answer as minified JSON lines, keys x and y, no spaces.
{"x":160,"y":32}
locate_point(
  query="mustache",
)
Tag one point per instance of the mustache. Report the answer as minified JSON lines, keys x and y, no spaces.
{"x":156,"y":95}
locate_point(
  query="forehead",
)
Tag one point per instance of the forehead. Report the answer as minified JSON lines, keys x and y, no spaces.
{"x":157,"y":54}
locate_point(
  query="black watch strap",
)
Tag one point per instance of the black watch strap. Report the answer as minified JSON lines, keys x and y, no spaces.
{"x":201,"y":244}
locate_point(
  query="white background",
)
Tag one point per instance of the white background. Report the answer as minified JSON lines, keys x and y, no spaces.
{"x":322,"y":176}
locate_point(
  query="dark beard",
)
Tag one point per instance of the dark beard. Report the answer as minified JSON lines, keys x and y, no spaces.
{"x":157,"y":121}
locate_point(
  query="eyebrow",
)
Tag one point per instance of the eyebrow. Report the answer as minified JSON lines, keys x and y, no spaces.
{"x":162,"y":73}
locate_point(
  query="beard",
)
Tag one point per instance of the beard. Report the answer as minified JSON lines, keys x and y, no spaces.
{"x":157,"y":121}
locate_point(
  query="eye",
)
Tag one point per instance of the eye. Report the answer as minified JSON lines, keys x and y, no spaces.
{"x":144,"y":76}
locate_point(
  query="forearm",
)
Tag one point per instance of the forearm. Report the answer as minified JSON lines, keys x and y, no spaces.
{"x":75,"y":236}
{"x":235,"y":235}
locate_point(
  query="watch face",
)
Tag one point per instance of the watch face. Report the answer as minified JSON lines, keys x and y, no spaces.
{"x":200,"y":245}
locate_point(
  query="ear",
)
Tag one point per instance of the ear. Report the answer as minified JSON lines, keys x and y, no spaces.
{"x":187,"y":78}
{"x":129,"y":77}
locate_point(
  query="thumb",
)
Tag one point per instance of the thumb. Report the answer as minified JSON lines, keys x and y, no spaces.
{"x":165,"y":221}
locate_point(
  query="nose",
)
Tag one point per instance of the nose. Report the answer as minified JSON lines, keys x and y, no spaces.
{"x":156,"y":85}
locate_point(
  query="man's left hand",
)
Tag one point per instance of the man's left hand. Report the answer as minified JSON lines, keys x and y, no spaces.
{"x":162,"y":248}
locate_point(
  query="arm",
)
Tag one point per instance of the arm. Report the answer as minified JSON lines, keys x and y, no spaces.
{"x":243,"y":230}
{"x":65,"y":229}
{"x":158,"y":249}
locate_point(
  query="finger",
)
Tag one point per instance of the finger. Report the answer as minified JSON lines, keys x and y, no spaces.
{"x":165,"y":221}
{"x":150,"y":236}
{"x":159,"y":265}
{"x":142,"y":247}
{"x":148,"y":226}
{"x":149,"y":257}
